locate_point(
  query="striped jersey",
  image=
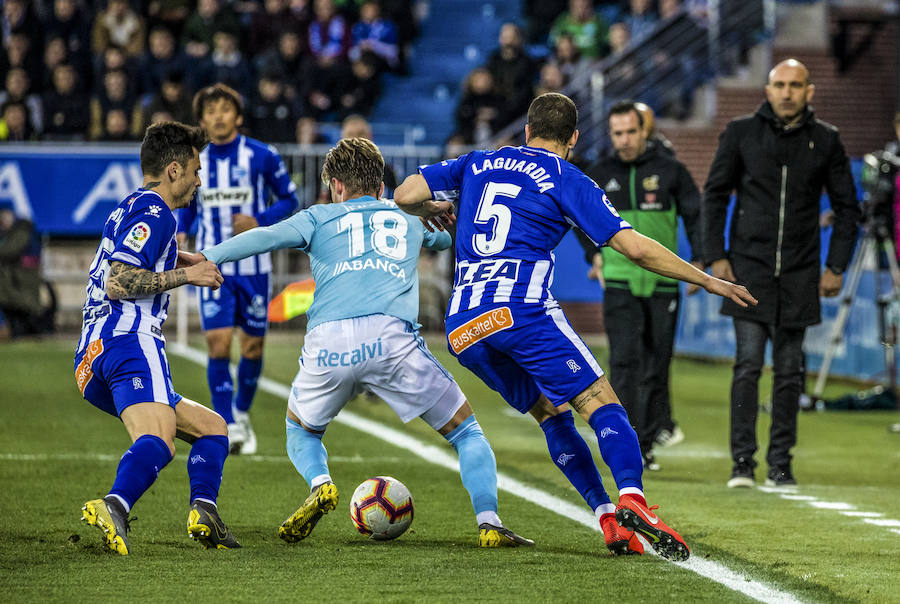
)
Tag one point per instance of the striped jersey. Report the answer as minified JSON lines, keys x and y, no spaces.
{"x":239,"y":177}
{"x":513,"y":206}
{"x":364,"y":255}
{"x":139,"y":232}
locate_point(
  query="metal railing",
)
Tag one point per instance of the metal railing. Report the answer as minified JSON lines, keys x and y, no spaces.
{"x":665,"y":68}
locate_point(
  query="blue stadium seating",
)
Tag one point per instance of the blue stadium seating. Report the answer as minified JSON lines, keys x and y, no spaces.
{"x":455,"y":37}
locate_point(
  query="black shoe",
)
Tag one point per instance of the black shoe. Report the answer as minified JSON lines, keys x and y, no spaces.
{"x":650,"y":463}
{"x":205,"y":526}
{"x":780,"y":477}
{"x":741,"y":476}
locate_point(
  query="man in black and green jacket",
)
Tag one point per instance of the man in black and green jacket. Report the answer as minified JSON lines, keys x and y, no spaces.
{"x":650,"y":189}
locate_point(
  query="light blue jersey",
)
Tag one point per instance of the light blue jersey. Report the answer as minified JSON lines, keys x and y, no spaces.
{"x":364,"y":254}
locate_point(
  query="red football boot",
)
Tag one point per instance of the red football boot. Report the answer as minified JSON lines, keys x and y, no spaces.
{"x":620,"y":541}
{"x":634,"y":515}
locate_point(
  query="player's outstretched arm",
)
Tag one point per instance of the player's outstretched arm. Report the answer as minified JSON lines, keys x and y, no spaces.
{"x":652,"y":255}
{"x":129,"y":281}
{"x":259,"y":240}
{"x":414,"y":197}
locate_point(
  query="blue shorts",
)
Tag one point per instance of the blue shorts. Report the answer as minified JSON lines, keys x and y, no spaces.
{"x":242,"y":301}
{"x":121,"y":371}
{"x":523,"y":351}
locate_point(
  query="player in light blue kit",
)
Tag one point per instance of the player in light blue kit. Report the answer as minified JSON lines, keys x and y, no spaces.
{"x":362,"y":333}
{"x":120,"y":363}
{"x":514,"y":206}
{"x":238,"y":174}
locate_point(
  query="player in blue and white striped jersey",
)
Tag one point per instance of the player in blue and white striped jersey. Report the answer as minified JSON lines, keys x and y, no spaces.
{"x":239,"y":176}
{"x":514,"y":205}
{"x":120,"y":363}
{"x":363,"y":334}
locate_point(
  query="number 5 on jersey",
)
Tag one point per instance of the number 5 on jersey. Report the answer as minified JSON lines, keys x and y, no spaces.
{"x":489,"y":245}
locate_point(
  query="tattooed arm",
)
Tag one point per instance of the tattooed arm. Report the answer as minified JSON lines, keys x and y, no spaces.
{"x":127,"y":281}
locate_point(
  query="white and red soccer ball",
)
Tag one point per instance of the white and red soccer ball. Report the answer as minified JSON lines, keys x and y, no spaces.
{"x":381,"y":508}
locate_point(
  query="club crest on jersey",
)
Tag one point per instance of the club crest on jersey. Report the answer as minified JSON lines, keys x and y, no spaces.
{"x":137,"y":238}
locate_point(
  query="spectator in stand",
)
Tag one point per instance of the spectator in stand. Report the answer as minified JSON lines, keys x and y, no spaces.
{"x":362,"y":87}
{"x":211,"y":16}
{"x":114,"y":96}
{"x":376,"y":37}
{"x":479,"y":112}
{"x":329,"y":34}
{"x":551,"y":80}
{"x":115,"y":59}
{"x":569,"y":60}
{"x":640,"y":18}
{"x":513,"y":72}
{"x":162,"y":58}
{"x":19,"y":18}
{"x":170,"y":14}
{"x":116,"y":127}
{"x":619,"y":38}
{"x":55,"y":53}
{"x":357,"y":126}
{"x":23,"y":53}
{"x":308,"y":133}
{"x":271,"y":115}
{"x":120,"y":26}
{"x":66,"y":115}
{"x":269,"y":24}
{"x":225,"y":65}
{"x":74,"y":28}
{"x":587,"y":28}
{"x":286,"y":58}
{"x":18,"y":90}
{"x":15,"y":126}
{"x":173,"y":100}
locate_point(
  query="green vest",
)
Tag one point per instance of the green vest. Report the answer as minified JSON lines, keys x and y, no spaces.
{"x":662,"y":225}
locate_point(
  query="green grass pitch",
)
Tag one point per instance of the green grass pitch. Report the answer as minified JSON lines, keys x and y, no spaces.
{"x":56,"y":451}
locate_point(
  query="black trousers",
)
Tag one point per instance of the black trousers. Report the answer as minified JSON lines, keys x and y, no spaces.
{"x":641,"y":334}
{"x":787,"y":367}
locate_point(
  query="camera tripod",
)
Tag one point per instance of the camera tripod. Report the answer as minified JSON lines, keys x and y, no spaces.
{"x":876,"y":238}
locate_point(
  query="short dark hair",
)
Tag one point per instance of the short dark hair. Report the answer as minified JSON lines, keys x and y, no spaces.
{"x":357,"y":163}
{"x":214,"y":93}
{"x":623,"y":108}
{"x":166,"y":142}
{"x":552,"y":116}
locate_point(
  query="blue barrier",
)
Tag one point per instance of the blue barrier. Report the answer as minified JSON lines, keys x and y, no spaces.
{"x":68,"y":190}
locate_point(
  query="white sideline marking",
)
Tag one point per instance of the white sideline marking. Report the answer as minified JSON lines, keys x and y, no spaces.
{"x":832,"y":505}
{"x":798,"y":497}
{"x":863,"y":514}
{"x":440,"y":456}
{"x":883,"y":522}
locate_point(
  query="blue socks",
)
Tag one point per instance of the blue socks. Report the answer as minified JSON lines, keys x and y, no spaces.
{"x":307,"y":453}
{"x":221,"y":388}
{"x":247,"y":376}
{"x":139,"y":467}
{"x":618,"y":445}
{"x":477,"y":464}
{"x":573,"y":458}
{"x":204,"y":467}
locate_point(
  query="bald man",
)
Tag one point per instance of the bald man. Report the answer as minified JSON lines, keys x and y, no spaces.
{"x":778,"y":161}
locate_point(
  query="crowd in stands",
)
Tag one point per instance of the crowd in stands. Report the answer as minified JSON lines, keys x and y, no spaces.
{"x":565,"y":41}
{"x":103,"y":70}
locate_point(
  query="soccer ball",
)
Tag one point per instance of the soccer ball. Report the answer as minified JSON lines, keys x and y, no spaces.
{"x":381,"y":508}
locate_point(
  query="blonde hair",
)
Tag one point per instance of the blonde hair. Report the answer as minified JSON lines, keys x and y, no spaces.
{"x":357,"y":163}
